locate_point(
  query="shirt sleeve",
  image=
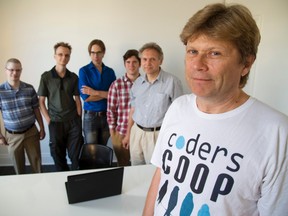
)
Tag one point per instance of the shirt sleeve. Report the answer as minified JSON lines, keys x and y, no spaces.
{"x":156,"y":159}
{"x":131,"y":96}
{"x":76,"y":86}
{"x":82,"y":81}
{"x":34,"y":98}
{"x":42,"y":90}
{"x":274,"y":190}
{"x":112,"y":104}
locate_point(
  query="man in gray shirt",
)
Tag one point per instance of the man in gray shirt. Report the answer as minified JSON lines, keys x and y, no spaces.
{"x":150,"y":97}
{"x":59,"y":87}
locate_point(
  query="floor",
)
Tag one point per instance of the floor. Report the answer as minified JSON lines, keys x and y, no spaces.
{"x":9,"y":170}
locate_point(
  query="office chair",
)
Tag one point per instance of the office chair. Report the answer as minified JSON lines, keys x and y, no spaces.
{"x":93,"y":156}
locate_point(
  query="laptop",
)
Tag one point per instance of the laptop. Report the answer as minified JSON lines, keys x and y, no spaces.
{"x":94,"y":185}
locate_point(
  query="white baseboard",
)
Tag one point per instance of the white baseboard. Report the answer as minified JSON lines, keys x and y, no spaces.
{"x":46,"y":157}
{"x":6,"y":161}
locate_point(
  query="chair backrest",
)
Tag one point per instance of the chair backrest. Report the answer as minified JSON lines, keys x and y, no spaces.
{"x":93,"y":156}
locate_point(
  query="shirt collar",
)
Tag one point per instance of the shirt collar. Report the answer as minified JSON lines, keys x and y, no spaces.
{"x":92,"y":66}
{"x":55,"y":74}
{"x":8,"y":86}
{"x":126,"y":78}
{"x":159,"y":77}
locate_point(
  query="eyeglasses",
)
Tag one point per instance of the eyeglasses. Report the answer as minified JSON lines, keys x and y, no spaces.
{"x":12,"y":70}
{"x":63,"y":55}
{"x":96,"y":53}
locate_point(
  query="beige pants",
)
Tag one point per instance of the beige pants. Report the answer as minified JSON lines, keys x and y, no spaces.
{"x":142,"y":145}
{"x":28,"y":142}
{"x":122,"y":154}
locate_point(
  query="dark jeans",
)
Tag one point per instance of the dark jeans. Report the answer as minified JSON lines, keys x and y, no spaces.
{"x":96,"y":129}
{"x":66,"y":136}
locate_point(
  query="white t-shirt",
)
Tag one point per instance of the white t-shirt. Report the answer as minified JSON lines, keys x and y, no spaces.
{"x":234,"y":163}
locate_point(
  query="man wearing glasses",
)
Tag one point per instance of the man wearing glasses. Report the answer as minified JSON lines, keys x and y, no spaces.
{"x":63,"y":114}
{"x":20,"y":108}
{"x":94,"y":82}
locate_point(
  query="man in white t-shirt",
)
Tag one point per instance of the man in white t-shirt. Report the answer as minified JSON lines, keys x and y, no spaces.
{"x":220,"y":151}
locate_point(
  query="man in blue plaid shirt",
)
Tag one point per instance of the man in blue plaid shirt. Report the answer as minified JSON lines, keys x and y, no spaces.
{"x":20,"y":108}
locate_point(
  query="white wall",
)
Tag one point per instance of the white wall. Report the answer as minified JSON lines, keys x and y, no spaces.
{"x":30,"y":28}
{"x":270,"y":77}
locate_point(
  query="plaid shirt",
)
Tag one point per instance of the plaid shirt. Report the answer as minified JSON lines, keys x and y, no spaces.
{"x":118,"y":106}
{"x":18,"y":106}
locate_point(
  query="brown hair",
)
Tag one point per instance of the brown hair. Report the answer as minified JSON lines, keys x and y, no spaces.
{"x":97,"y":42}
{"x":232,"y":23}
{"x":62,"y":44}
{"x":130,"y":53}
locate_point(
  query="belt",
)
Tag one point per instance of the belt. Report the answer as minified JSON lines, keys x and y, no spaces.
{"x":19,"y":132}
{"x":149,"y":129}
{"x":102,"y":113}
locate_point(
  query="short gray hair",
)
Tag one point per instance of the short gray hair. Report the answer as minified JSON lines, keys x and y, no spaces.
{"x":152,"y":45}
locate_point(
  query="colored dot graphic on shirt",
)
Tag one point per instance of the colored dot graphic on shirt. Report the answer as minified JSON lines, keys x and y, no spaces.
{"x":180,"y":142}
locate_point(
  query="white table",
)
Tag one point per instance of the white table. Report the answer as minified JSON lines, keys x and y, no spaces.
{"x":45,"y":194}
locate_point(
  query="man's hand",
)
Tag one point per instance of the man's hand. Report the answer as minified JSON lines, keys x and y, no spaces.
{"x":42,"y":134}
{"x":125,"y":142}
{"x":3,"y":141}
{"x":87,"y":90}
